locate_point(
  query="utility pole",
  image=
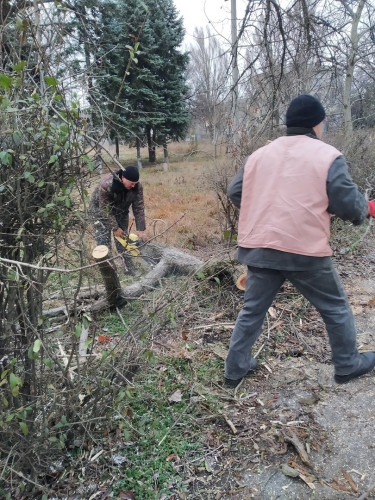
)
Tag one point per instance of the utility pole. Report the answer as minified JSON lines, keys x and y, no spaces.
{"x":235,"y":73}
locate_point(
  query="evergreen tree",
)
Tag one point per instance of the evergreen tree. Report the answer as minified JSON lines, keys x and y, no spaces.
{"x":172,"y":76}
{"x":151,"y":101}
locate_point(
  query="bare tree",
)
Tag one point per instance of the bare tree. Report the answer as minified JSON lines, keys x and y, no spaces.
{"x":313,"y":46}
{"x":209,"y":79}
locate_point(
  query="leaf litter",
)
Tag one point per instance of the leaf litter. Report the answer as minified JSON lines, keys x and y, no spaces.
{"x":289,"y":432}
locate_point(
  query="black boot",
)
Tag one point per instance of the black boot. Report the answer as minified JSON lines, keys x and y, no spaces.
{"x":366,"y":364}
{"x":234,"y":382}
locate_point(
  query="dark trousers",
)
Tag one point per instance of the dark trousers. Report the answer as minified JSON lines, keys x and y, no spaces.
{"x":322,"y":288}
{"x":103,"y":236}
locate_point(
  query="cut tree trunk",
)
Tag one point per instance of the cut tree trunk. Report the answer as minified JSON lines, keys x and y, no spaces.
{"x":110,"y":277}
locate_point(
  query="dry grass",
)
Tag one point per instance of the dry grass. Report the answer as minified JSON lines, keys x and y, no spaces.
{"x":181,"y":199}
{"x":181,"y":207}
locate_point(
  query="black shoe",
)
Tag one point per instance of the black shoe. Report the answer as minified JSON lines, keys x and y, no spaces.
{"x":234,"y":383}
{"x":366,"y":364}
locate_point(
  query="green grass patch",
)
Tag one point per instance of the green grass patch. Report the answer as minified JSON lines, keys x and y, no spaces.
{"x":161,"y":432}
{"x":111,"y":323}
{"x":210,"y":370}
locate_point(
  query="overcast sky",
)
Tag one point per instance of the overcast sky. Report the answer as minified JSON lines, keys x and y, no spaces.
{"x":199,"y":13}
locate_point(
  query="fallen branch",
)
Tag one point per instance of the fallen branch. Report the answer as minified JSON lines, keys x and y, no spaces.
{"x":230,"y":424}
{"x":291,"y":437}
{"x":226,"y":326}
{"x":170,"y":261}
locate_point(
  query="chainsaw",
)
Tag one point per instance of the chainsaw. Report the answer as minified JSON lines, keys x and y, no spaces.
{"x":131,"y":243}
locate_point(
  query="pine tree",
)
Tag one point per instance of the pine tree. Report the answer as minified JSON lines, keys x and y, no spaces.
{"x":151,"y":101}
{"x":172,"y":76}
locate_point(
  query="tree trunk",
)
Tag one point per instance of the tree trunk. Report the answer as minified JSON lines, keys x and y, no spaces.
{"x":169,"y":260}
{"x":138,"y":146}
{"x":109,"y":274}
{"x":352,"y":59}
{"x":151,"y":145}
{"x":166,"y":157}
{"x":117,"y":148}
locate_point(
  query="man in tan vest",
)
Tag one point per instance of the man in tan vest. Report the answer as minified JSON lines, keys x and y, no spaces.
{"x":286,"y":193}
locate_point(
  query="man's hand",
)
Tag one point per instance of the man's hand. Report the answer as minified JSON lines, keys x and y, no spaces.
{"x":371,"y":208}
{"x":119,"y":232}
{"x":142,"y":235}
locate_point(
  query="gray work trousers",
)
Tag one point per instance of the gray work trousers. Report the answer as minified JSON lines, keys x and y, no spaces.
{"x":322,"y":288}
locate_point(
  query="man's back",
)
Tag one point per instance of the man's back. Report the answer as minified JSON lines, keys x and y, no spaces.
{"x":284,"y":197}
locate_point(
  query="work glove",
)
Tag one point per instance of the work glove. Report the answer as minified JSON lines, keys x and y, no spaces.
{"x":371,"y":209}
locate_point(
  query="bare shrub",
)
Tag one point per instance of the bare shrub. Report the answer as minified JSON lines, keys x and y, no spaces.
{"x":222,"y":172}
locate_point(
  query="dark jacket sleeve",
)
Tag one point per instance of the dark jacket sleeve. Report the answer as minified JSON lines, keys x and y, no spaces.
{"x":138,"y":208}
{"x":106,"y":201}
{"x":345,"y":200}
{"x":235,"y":188}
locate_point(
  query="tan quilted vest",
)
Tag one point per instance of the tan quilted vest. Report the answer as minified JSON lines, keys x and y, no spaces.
{"x":284,"y":197}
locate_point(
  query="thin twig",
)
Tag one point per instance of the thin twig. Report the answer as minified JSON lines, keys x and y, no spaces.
{"x":224,"y":325}
{"x":74,"y":270}
{"x":230,"y":424}
{"x":174,"y":425}
{"x":124,"y":324}
{"x":10,"y":454}
{"x":29,"y":480}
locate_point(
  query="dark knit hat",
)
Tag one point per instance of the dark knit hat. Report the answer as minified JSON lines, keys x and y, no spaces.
{"x":131,"y":173}
{"x":305,"y":111}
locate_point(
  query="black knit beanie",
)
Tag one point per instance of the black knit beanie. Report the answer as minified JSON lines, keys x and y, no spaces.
{"x":305,"y":111}
{"x":131,"y":173}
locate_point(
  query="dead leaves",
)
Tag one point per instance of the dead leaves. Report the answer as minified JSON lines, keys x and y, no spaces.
{"x":291,"y":437}
{"x":346,"y":484}
{"x":220,"y":350}
{"x":293,"y":469}
{"x":287,"y":470}
{"x":352,"y":483}
{"x":176,"y":397}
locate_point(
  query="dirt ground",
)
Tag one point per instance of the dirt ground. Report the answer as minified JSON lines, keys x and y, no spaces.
{"x":295,"y":433}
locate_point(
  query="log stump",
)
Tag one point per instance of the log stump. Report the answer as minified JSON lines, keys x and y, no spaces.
{"x":110,"y":277}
